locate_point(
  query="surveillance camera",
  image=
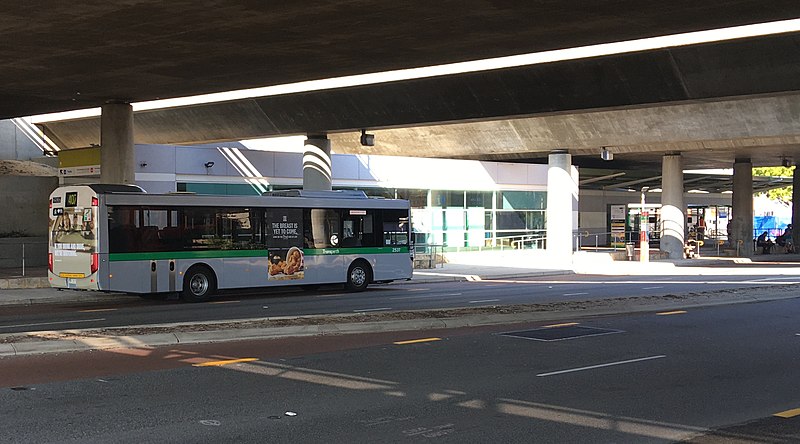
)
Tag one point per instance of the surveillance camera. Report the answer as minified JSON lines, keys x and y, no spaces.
{"x":209,"y":164}
{"x":367,"y":139}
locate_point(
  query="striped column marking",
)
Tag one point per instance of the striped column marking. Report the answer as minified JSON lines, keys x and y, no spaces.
{"x":226,"y":362}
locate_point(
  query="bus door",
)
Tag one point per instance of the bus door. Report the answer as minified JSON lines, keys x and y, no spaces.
{"x":73,"y":259}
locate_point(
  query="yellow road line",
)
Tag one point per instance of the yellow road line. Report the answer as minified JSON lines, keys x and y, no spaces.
{"x":96,"y":310}
{"x":667,"y":313}
{"x":417,"y":341}
{"x":566,"y":324}
{"x":788,"y":414}
{"x":219,"y":363}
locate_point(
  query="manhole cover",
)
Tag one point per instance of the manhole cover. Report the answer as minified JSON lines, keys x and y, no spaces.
{"x":560,"y":333}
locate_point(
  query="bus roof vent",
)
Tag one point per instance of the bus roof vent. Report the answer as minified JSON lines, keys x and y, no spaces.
{"x":116,"y":188}
{"x":337,"y":194}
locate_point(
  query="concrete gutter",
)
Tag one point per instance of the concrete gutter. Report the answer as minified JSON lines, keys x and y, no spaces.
{"x":17,"y":344}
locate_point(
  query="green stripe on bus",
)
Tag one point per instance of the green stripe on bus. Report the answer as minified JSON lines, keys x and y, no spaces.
{"x":357,"y":250}
{"x":220,"y":254}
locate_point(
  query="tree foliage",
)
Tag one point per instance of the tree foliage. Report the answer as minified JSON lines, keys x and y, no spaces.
{"x":783,"y":194}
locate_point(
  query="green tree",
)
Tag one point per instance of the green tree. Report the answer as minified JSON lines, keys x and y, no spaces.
{"x":783,"y":194}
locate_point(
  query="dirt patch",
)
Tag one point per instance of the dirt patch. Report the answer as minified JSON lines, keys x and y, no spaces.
{"x":26,"y":168}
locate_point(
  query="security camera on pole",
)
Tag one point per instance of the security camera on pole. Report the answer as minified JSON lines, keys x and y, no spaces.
{"x":644,"y":243}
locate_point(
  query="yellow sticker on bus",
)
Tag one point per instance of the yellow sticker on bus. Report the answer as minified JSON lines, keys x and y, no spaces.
{"x":71,"y":275}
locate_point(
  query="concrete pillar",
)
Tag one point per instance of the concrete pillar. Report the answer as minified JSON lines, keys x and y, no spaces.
{"x":562,"y":205}
{"x":117,"y":156}
{"x":795,"y":199}
{"x":673,"y":209}
{"x":317,"y":174}
{"x":742,"y":222}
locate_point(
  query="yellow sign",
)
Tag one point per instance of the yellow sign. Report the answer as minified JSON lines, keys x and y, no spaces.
{"x":71,"y":275}
{"x":79,"y":162}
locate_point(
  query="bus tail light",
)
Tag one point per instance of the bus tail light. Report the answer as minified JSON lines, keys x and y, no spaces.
{"x":50,"y":262}
{"x":95,"y":202}
{"x":95,"y":262}
{"x":51,"y":203}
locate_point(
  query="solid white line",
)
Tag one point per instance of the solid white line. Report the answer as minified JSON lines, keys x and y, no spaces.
{"x":372,"y":309}
{"x":52,"y":323}
{"x":775,"y":278}
{"x":485,"y":300}
{"x":629,"y":361}
{"x":650,"y":288}
{"x":573,"y":294}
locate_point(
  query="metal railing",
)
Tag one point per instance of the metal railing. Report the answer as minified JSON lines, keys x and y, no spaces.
{"x":431,"y":255}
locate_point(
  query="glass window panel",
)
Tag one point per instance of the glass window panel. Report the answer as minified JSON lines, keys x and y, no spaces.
{"x":417,"y":198}
{"x":522,"y":200}
{"x":510,"y":220}
{"x":479,"y":199}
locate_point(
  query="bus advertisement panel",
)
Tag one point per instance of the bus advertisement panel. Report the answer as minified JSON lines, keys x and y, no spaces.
{"x":284,"y":243}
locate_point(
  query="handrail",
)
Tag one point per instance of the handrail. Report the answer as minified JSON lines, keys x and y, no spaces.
{"x":436,"y":252}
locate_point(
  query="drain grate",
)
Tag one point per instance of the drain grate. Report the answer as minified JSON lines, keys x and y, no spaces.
{"x":560,"y":333}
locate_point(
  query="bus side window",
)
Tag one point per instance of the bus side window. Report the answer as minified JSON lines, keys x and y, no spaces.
{"x":322,"y":227}
{"x":395,"y":227}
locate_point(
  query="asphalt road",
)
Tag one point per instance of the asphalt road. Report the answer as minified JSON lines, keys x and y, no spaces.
{"x":635,"y":378}
{"x":131,"y":310}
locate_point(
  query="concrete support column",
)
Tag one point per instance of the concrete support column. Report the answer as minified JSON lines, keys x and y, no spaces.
{"x":673,"y":209}
{"x":562,"y":205}
{"x":317,"y":174}
{"x":795,"y":199}
{"x":741,"y":232}
{"x":117,"y":155}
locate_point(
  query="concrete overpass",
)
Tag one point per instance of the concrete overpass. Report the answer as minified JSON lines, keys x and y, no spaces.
{"x":713,"y":104}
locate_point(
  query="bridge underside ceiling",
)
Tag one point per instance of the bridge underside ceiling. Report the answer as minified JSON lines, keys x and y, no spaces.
{"x":60,"y":56}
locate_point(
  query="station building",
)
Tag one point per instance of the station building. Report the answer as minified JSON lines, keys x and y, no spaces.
{"x":460,"y":204}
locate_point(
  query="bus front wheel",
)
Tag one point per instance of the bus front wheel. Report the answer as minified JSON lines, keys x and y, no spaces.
{"x":358,"y":276}
{"x":199,"y":284}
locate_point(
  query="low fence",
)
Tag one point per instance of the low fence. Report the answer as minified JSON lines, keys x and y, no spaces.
{"x":18,"y":254}
{"x":428,"y":256}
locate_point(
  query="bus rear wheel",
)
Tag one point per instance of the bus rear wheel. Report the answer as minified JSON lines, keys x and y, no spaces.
{"x":358,"y":276}
{"x":199,"y":284}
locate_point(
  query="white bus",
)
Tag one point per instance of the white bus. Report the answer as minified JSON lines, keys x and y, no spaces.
{"x":119,"y":238}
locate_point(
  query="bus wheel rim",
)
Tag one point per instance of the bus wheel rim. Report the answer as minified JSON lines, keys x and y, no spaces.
{"x":198,"y":284}
{"x":358,"y":276}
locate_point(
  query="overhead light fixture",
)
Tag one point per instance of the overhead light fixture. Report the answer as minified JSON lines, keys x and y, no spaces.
{"x":786,"y":163}
{"x":209,"y":164}
{"x":367,"y":139}
{"x":606,"y":155}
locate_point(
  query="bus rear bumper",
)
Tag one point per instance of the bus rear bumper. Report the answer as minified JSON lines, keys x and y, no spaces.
{"x":85,"y":283}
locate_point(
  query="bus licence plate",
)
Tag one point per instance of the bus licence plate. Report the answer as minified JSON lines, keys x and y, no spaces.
{"x":71,"y":275}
